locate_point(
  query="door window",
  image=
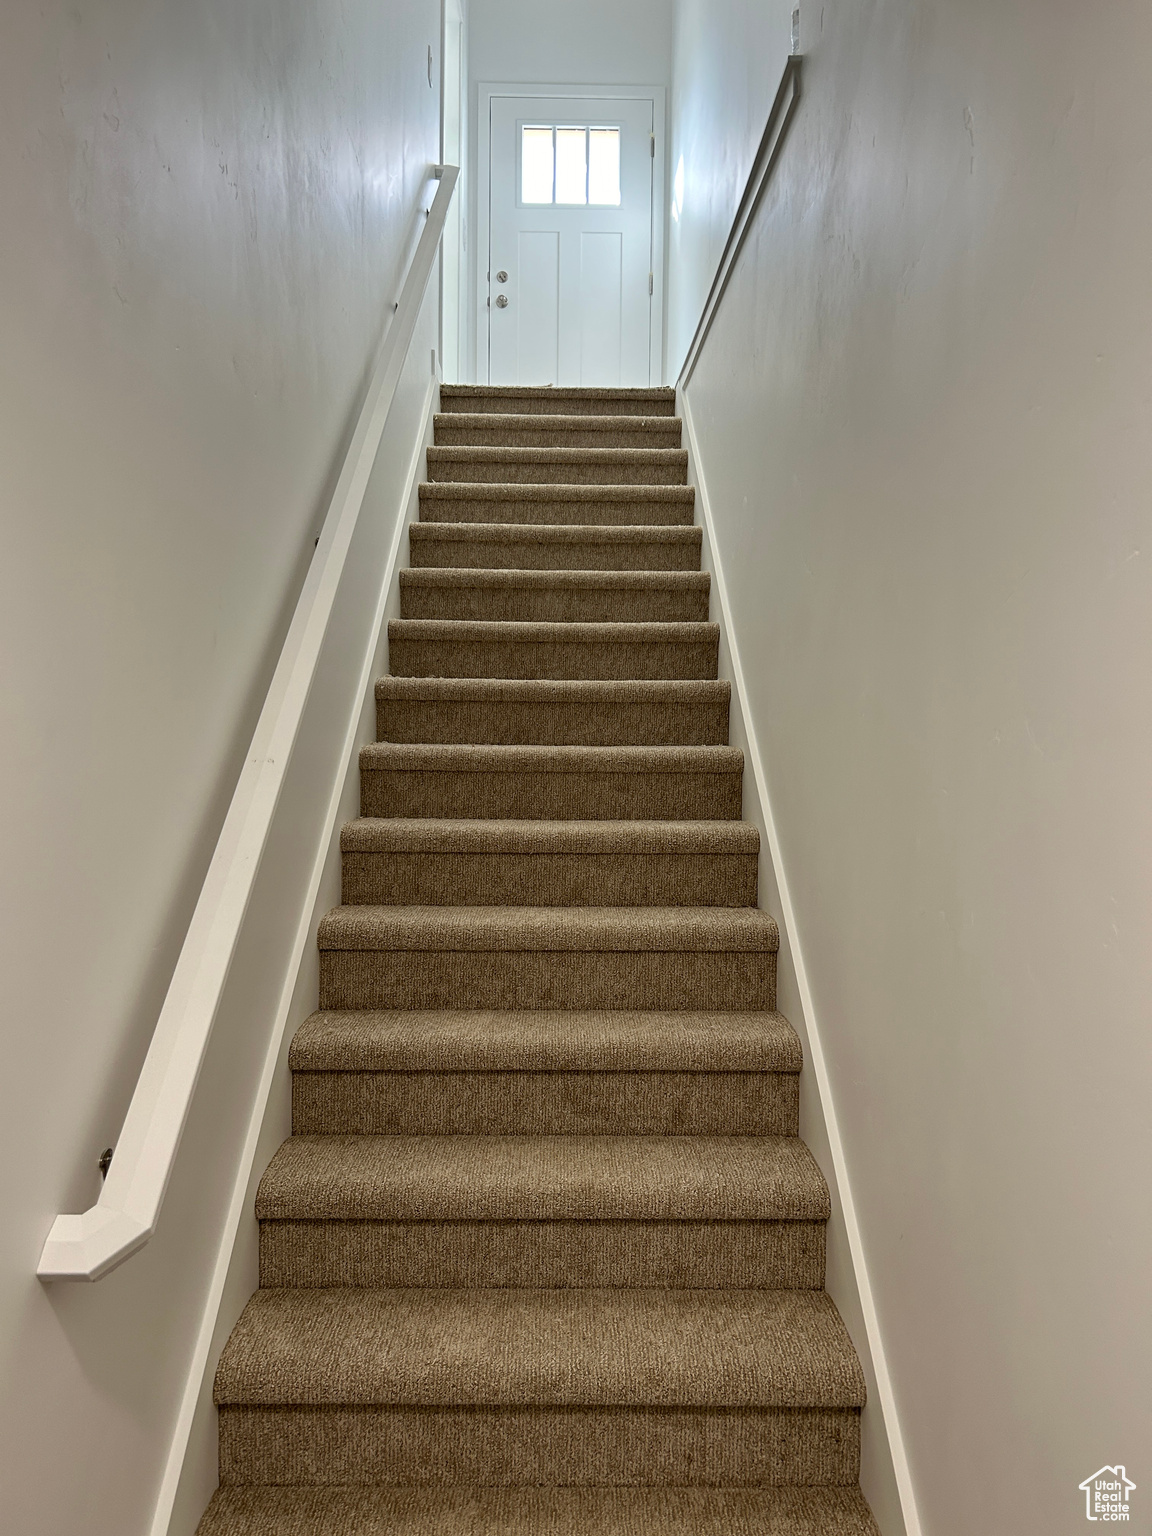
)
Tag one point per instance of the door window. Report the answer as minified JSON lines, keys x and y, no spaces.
{"x":569,"y":167}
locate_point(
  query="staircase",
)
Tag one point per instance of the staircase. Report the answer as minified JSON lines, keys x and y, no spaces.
{"x":544,"y":1255}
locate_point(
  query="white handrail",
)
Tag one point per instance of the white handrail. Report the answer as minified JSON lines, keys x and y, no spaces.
{"x":88,"y":1246}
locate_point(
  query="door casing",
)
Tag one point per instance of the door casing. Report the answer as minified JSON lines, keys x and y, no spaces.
{"x":485,"y":91}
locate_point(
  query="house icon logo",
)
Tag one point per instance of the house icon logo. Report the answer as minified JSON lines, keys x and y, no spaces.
{"x":1106,"y":1494}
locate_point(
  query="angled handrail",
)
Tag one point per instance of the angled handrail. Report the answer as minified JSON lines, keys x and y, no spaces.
{"x":88,"y":1246}
{"x":779,"y":117}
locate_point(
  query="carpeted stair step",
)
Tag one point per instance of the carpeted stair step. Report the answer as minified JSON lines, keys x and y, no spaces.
{"x":478,"y":1511}
{"x":547,"y":400}
{"x":556,"y":1072}
{"x":468,"y":648}
{"x":554,"y":1387}
{"x":428,"y":862}
{"x":551,"y":783}
{"x":607,"y":505}
{"x":684,"y":1211}
{"x":484,"y":429}
{"x":560,"y":466}
{"x":579,"y":597}
{"x":548,"y":957}
{"x":534,"y":547}
{"x":519,"y":711}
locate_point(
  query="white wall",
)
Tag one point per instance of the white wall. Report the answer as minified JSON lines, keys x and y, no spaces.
{"x":206,"y":209}
{"x":600,"y":42}
{"x":925,"y":417}
{"x":456,"y":332}
{"x":728,"y":56}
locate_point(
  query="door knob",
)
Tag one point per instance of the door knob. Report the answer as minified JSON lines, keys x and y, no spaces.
{"x":501,"y":301}
{"x":501,"y":277}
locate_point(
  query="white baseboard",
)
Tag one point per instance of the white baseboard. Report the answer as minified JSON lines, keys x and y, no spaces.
{"x":178,"y":1506}
{"x":885,"y":1476}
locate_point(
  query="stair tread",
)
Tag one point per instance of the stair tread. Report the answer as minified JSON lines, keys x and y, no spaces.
{"x":381,"y":834}
{"x":542,"y":1178}
{"x":519,"y":490}
{"x":501,"y":577}
{"x":664,"y":631}
{"x":590,"y":1040}
{"x":466,"y":757}
{"x":557,"y":533}
{"x":615,"y":930}
{"x":450,"y":453}
{"x":479,"y":1511}
{"x":551,"y":422}
{"x":557,"y":690}
{"x":592,"y":1347}
{"x":663,"y":392}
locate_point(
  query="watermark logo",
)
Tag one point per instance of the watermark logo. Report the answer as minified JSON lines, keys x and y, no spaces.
{"x":1106,"y":1494}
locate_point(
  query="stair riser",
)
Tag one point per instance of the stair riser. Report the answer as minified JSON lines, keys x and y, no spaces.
{"x":558,"y":660}
{"x":558,"y":513}
{"x":703,"y":1255}
{"x":552,"y":796}
{"x":554,"y":605}
{"x":546,"y":402}
{"x":478,"y":553}
{"x":503,"y":723}
{"x":495,"y":434}
{"x":545,"y":1103}
{"x":548,"y":880}
{"x":445,"y":465}
{"x":479,"y":1511}
{"x":506,"y":1447}
{"x":705,"y":979}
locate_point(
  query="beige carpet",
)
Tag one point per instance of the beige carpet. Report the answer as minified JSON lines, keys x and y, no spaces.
{"x":544,"y":1255}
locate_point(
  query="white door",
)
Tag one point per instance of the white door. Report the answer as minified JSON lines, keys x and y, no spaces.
{"x":570,"y":241}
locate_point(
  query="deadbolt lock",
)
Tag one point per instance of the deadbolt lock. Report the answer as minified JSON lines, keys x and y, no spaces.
{"x":501,"y":277}
{"x":501,"y":301}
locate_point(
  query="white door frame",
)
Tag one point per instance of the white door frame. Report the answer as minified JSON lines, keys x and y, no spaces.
{"x":486,"y":89}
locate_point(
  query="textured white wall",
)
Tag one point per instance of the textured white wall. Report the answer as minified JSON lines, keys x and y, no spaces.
{"x":925,"y":413}
{"x":599,"y":42}
{"x":727,"y":59}
{"x":206,"y":208}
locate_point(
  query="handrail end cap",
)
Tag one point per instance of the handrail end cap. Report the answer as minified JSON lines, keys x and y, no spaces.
{"x":89,"y":1246}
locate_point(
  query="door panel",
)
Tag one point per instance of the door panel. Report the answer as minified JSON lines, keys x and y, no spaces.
{"x":536,"y":319}
{"x":573,"y":306}
{"x":601,"y":302}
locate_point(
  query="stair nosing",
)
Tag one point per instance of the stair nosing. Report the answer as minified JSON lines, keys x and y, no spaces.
{"x":562,"y":391}
{"x":530,"y":1040}
{"x":575,"y":837}
{"x":548,"y":930}
{"x":543,"y":1177}
{"x":496,"y":757}
{"x":569,"y":632}
{"x":574,"y":580}
{"x":589,"y":1347}
{"x":544,"y":421}
{"x":484,"y":454}
{"x":696,"y":691}
{"x":550,"y":490}
{"x":559,"y":533}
